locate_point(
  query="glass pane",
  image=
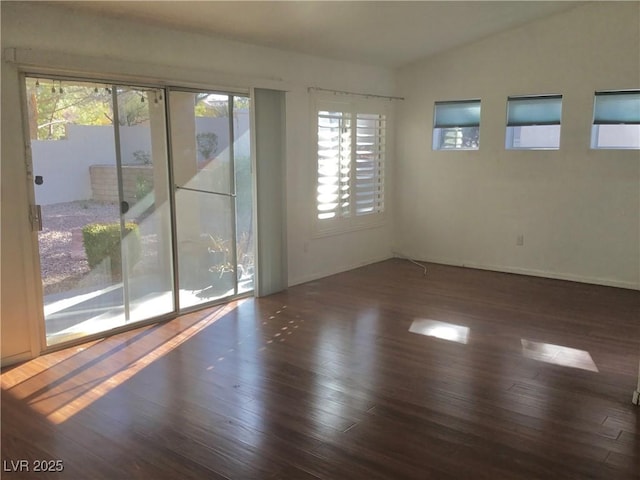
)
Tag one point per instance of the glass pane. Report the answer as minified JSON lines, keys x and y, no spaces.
{"x":467,"y":138}
{"x":94,"y":276}
{"x":244,"y":197}
{"x":73,"y":156}
{"x":534,"y":137}
{"x":205,"y":247}
{"x":615,"y":136}
{"x":147,"y":240}
{"x":212,"y":142}
{"x":200,"y":134}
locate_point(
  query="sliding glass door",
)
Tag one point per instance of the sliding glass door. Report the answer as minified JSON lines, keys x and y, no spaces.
{"x":99,"y":160}
{"x":141,"y":142}
{"x":129,"y":231}
{"x":210,"y":142}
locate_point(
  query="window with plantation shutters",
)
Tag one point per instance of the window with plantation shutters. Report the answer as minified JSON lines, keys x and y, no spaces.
{"x":351,"y":147}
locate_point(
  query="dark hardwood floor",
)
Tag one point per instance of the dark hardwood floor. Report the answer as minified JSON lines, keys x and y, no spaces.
{"x":501,"y":377}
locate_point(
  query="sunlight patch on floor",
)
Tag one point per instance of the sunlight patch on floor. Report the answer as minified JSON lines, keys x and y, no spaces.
{"x":68,"y":390}
{"x":443,"y":330}
{"x":558,"y":355}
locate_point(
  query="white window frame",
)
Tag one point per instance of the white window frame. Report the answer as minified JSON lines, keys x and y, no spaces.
{"x":440,"y":131}
{"x":612,"y":124}
{"x":541,"y":121}
{"x":350,"y":220}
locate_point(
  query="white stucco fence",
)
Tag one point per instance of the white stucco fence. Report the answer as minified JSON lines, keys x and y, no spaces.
{"x":64,"y":164}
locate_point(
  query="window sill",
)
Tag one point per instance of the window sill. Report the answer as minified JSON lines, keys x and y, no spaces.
{"x":456,"y":149}
{"x":533,"y":149}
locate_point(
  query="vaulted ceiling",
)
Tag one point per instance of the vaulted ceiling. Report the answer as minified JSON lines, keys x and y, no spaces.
{"x":389,"y":34}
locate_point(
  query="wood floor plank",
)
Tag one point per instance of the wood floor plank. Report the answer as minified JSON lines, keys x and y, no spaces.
{"x":327,"y":381}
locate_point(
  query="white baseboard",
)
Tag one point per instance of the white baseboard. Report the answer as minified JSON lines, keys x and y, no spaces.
{"x":13,"y":359}
{"x":534,"y":273}
{"x":344,"y":268}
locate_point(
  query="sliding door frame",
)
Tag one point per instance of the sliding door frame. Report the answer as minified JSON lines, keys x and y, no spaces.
{"x":124,"y":254}
{"x":38,"y":336}
{"x":232,"y":195}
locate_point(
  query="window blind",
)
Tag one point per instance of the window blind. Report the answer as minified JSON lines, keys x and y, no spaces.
{"x":464,"y":113}
{"x":615,"y":108}
{"x":538,"y":110}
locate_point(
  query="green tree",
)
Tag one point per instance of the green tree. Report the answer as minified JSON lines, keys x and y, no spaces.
{"x":133,"y":107}
{"x":210,"y":105}
{"x":214,"y":105}
{"x":54,"y":104}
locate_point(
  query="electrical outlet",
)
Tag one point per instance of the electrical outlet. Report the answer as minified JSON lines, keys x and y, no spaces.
{"x":520,"y":240}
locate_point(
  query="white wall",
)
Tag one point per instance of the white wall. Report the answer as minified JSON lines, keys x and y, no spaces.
{"x":577,"y":208}
{"x":58,"y":160}
{"x":165,"y":53}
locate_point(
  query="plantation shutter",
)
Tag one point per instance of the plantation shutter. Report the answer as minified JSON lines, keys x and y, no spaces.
{"x":369,"y":164}
{"x":334,"y":164}
{"x":351,"y":146}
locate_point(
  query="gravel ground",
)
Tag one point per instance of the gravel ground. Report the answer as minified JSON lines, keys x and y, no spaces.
{"x":62,"y":259}
{"x":62,"y":262}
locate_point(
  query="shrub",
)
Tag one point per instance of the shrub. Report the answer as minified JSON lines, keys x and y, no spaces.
{"x":144,"y":187}
{"x":207,"y":144}
{"x":102,"y":242}
{"x":140,"y":156}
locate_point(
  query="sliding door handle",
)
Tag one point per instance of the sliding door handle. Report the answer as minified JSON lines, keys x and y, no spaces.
{"x":199,"y":190}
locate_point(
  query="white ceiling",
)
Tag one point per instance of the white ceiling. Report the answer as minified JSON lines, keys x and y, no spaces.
{"x":387,"y":34}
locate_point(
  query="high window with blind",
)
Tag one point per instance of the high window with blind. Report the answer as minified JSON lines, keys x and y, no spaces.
{"x":616,"y":120}
{"x":351,"y":155}
{"x":533,"y":122}
{"x":456,"y":125}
